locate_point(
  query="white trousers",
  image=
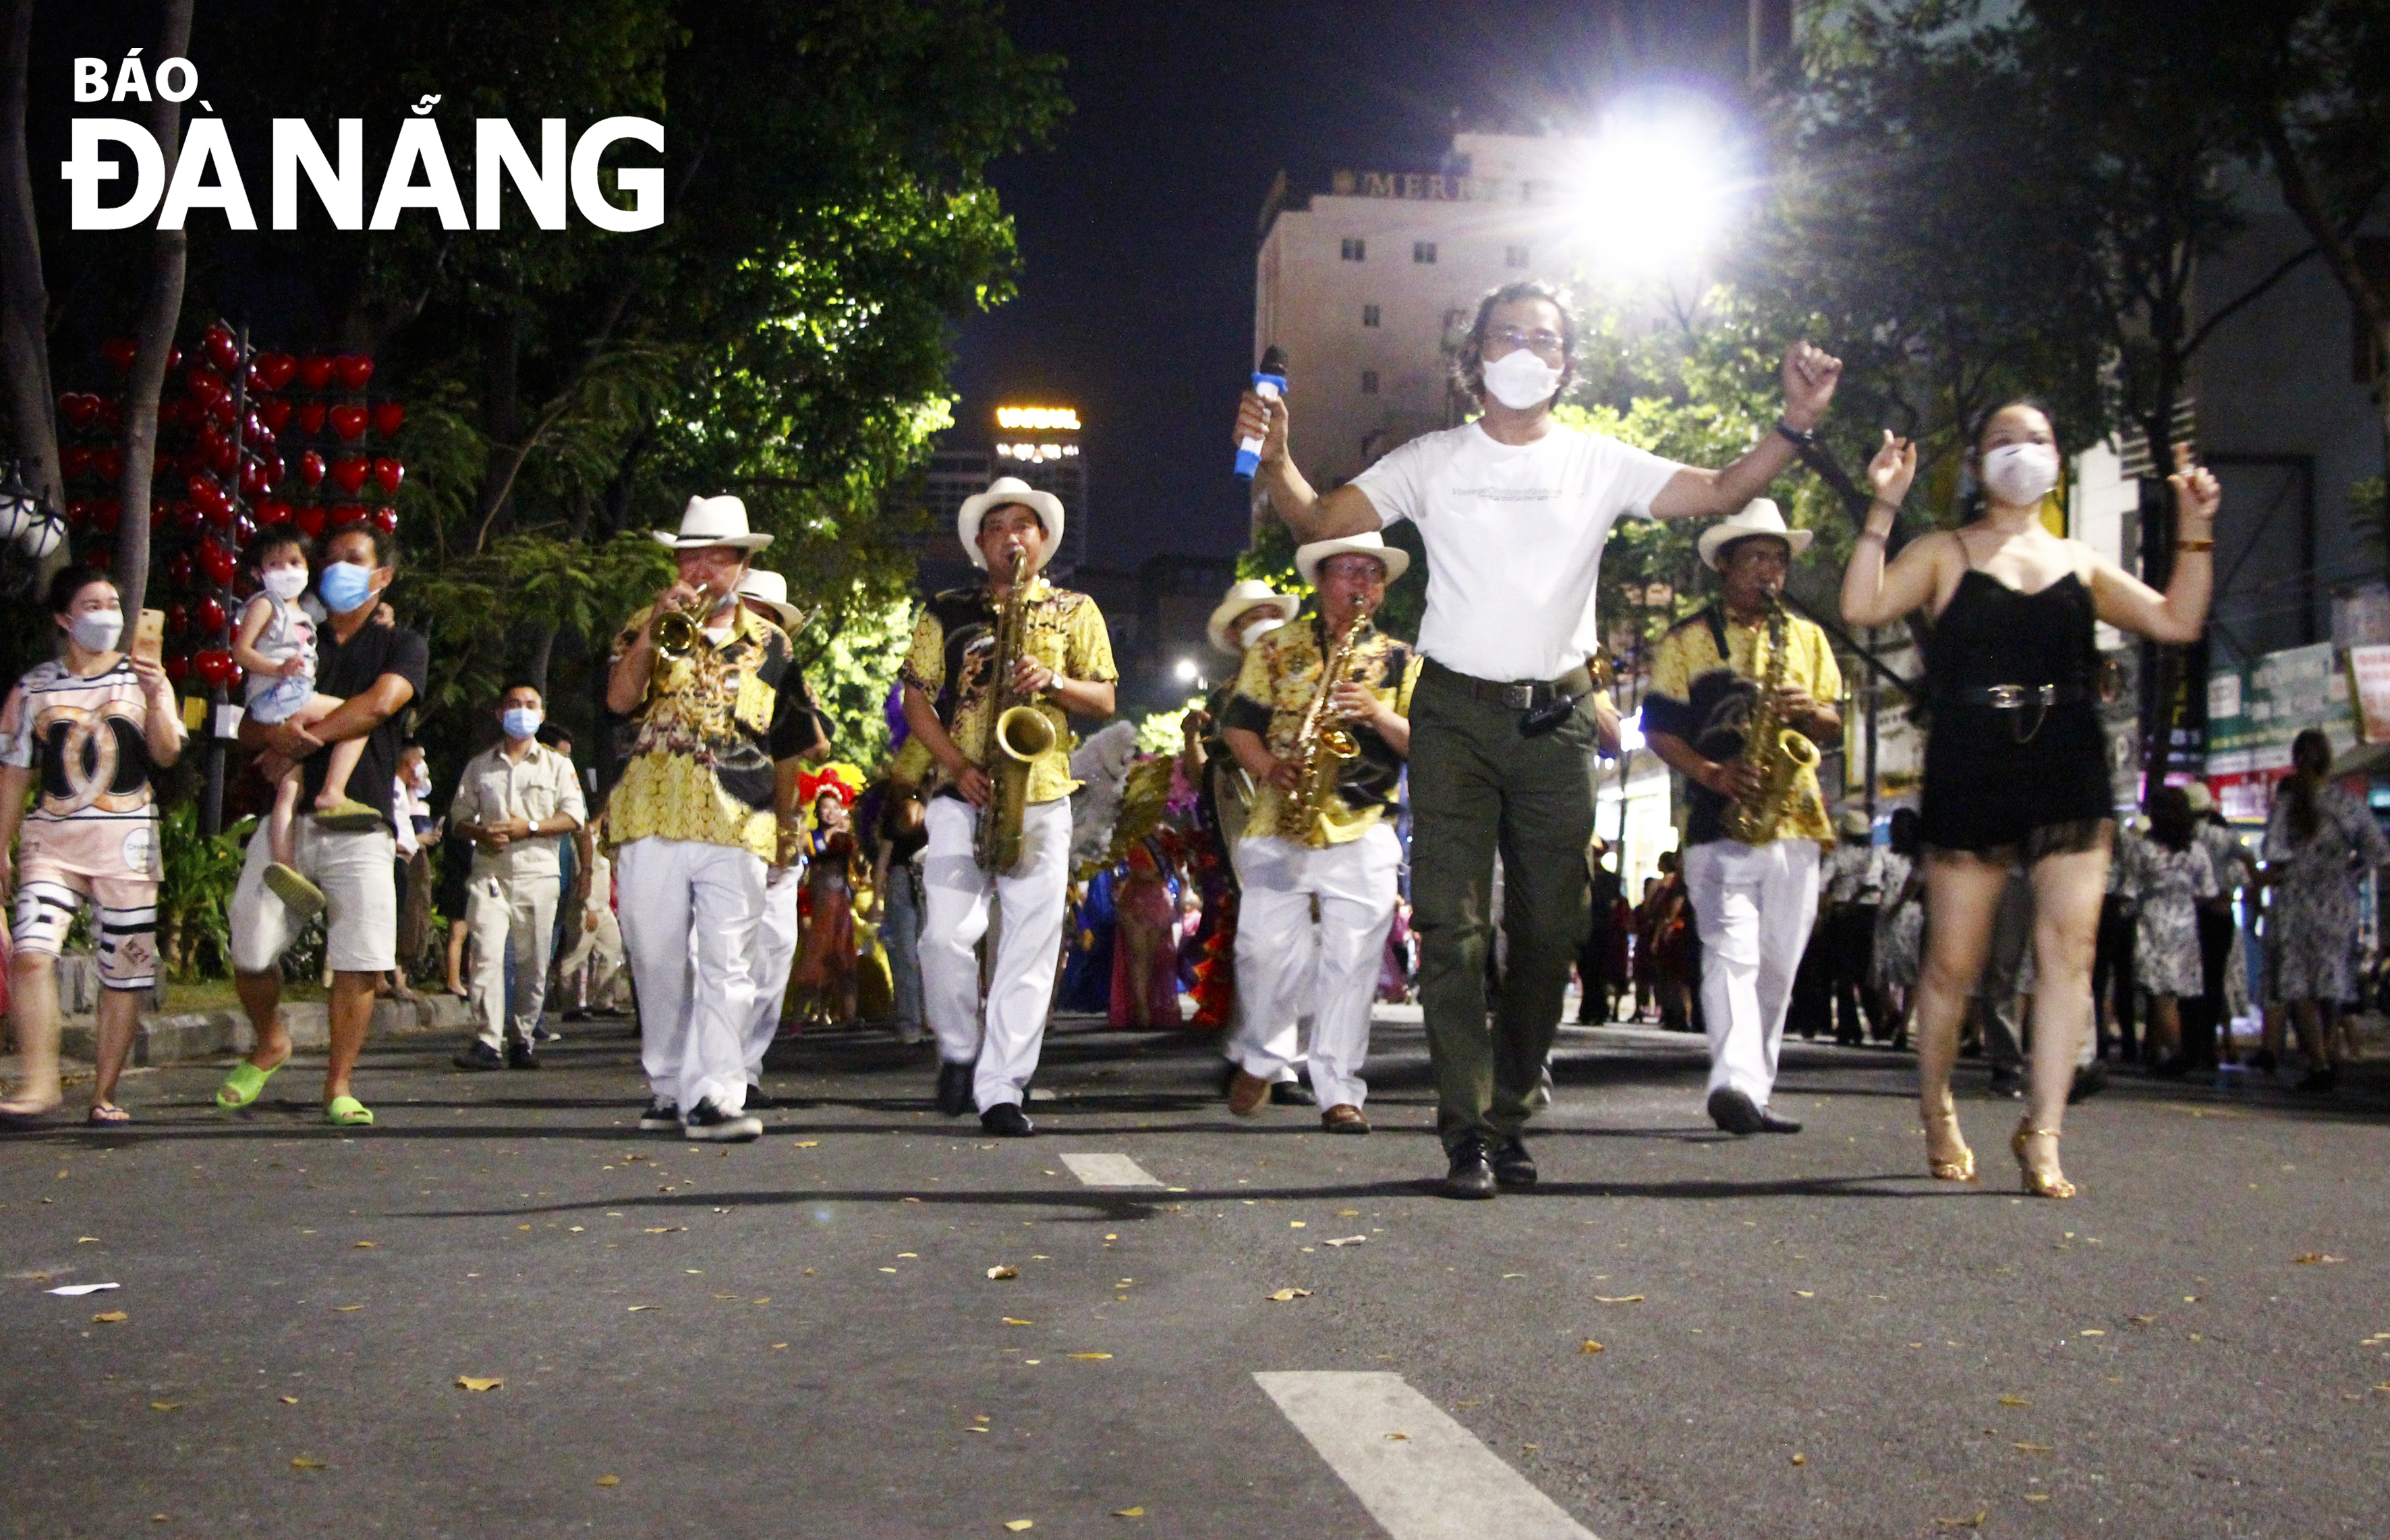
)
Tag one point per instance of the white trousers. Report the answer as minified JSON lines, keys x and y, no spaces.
{"x":599,"y":949}
{"x":775,"y":955}
{"x":1755,"y":905}
{"x":1354,"y":885}
{"x":518,"y":913}
{"x":692,"y":1021}
{"x":1006,"y":1036}
{"x":1293,"y":1050}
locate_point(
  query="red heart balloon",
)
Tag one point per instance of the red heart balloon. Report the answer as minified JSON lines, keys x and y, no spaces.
{"x":209,"y":612}
{"x":223,"y":457}
{"x":217,"y":561}
{"x":256,"y":480}
{"x":204,"y":383}
{"x":354,"y":370}
{"x":311,"y":469}
{"x":104,"y":515}
{"x":178,"y":667}
{"x":199,"y":489}
{"x":223,"y":349}
{"x":273,"y":511}
{"x":120,"y":351}
{"x":388,"y":473}
{"x":277,"y":368}
{"x":389,"y":417}
{"x":108,"y":464}
{"x":178,"y":618}
{"x":183,"y":569}
{"x":159,"y":513}
{"x":257,"y":438}
{"x":276,"y":413}
{"x":349,"y":422}
{"x":309,"y":519}
{"x":75,"y":461}
{"x":346,"y":514}
{"x":223,"y":514}
{"x":223,"y":410}
{"x":314,"y":372}
{"x":386,"y":520}
{"x":311,"y":418}
{"x":349,"y":473}
{"x":78,"y":408}
{"x":244,"y":529}
{"x":173,"y":359}
{"x":188,"y":519}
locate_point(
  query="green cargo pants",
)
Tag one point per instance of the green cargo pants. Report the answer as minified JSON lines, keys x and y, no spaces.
{"x":1477,"y":786}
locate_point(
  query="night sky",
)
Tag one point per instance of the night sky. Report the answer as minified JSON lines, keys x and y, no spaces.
{"x":1136,"y":228}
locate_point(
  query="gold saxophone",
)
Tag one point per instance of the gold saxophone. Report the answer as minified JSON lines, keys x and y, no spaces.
{"x":1777,"y":752}
{"x":1323,"y":748}
{"x":1019,"y":734}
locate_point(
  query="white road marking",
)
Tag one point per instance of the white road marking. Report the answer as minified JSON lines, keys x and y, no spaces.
{"x":1110,"y":1170}
{"x":1434,"y":1482}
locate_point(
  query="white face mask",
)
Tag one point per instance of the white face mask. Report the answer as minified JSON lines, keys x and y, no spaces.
{"x":1255,"y":630}
{"x":2021,"y":474}
{"x":97,"y":630}
{"x":1520,"y":380}
{"x":285,"y":583}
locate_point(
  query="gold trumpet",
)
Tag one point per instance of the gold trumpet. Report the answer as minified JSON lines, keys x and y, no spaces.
{"x":678,"y":634}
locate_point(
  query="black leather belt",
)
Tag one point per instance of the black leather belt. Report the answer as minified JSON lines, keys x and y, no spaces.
{"x":2016,"y":698}
{"x":1519,"y":695}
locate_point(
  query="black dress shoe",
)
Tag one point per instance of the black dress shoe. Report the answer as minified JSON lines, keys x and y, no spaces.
{"x":954,"y":1087}
{"x":1769,"y":1123}
{"x":1005,"y":1121}
{"x":2089,"y":1080}
{"x":478,"y":1055}
{"x":521,"y":1055}
{"x":1735,"y":1113}
{"x":1472,"y":1174}
{"x":2007,"y":1082}
{"x":1513,"y":1167}
{"x":1292,"y":1092}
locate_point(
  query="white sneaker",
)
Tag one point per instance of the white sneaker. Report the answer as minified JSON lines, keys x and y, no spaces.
{"x":709,"y":1122}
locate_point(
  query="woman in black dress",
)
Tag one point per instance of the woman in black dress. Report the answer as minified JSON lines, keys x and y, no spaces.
{"x":2016,"y":765}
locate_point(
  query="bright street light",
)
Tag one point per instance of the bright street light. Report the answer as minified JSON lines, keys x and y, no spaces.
{"x":1657,"y":183}
{"x":1186,"y":670}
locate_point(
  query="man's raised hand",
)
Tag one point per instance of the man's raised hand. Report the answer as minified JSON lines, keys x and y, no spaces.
{"x":1810,"y":375}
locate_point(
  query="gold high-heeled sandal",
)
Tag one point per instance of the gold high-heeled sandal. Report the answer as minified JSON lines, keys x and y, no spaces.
{"x":1960,"y":1170}
{"x":2036,"y":1183}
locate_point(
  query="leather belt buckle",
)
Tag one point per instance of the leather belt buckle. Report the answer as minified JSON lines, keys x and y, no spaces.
{"x":1519,"y":698}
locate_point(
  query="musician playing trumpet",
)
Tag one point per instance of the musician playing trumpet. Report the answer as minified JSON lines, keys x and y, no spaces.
{"x":1320,"y":720}
{"x":999,"y":811}
{"x":1742,"y":699}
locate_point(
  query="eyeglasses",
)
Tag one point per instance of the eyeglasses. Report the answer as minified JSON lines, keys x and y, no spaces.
{"x":1544,"y":344}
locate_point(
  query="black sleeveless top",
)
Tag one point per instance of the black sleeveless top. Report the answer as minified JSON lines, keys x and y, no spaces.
{"x":1993,"y":777}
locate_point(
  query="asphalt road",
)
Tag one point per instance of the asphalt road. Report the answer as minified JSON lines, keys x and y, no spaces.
{"x":800,"y":1337}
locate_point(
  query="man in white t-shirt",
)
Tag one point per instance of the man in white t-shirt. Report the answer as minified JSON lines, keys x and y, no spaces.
{"x":1513,"y":509}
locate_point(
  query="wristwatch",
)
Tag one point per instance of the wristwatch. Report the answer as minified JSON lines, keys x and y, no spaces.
{"x":1802,"y":438}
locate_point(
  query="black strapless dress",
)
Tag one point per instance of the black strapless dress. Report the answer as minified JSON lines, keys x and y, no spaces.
{"x":1995,"y":776}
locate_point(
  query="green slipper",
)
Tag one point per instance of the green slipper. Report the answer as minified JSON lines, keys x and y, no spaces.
{"x":243,"y":1084}
{"x":349,"y":816}
{"x":303,"y":898}
{"x":348,"y":1113}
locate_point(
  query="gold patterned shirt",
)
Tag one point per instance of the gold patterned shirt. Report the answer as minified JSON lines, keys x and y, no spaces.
{"x":700,"y":766}
{"x":1274,"y":689}
{"x":1703,"y":692}
{"x":952,"y":663}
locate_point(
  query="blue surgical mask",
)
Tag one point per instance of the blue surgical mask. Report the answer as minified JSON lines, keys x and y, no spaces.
{"x":345,"y":586}
{"x":520,"y":721}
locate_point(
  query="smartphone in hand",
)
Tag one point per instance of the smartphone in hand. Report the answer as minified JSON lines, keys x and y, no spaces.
{"x":150,"y":636}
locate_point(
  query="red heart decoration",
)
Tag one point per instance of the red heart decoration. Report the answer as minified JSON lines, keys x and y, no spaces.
{"x":310,"y":521}
{"x":222,"y":349}
{"x":388,"y":473}
{"x":78,"y":407}
{"x":108,"y":464}
{"x":178,"y":666}
{"x":201,"y":489}
{"x":311,"y":418}
{"x":188,"y":519}
{"x":349,"y":473}
{"x":178,"y":618}
{"x":388,"y":418}
{"x":314,"y":372}
{"x":217,"y":561}
{"x":311,"y":470}
{"x":346,"y":514}
{"x":276,"y":370}
{"x":274,"y":414}
{"x":223,"y":410}
{"x":204,"y":383}
{"x":349,"y":422}
{"x":74,"y":460}
{"x":104,"y":515}
{"x":215,"y":666}
{"x":222,"y":515}
{"x":183,"y":569}
{"x":78,"y":512}
{"x":120,"y":351}
{"x":244,"y":529}
{"x":222,"y":457}
{"x":256,"y":481}
{"x":173,"y":359}
{"x":256,"y":437}
{"x":273,"y":511}
{"x":386,"y":520}
{"x":354,"y":370}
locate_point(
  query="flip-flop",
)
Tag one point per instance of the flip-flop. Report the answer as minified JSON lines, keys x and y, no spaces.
{"x":348,"y":1113}
{"x":102,"y":1115}
{"x":242,"y":1086}
{"x":349,"y":816}
{"x":303,"y":898}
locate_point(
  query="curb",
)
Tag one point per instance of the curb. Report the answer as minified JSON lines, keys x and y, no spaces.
{"x":197,"y":1037}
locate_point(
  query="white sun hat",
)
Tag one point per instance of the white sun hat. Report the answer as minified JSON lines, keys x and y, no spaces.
{"x":771,"y":591}
{"x":1307,"y":557}
{"x":1003,"y":490}
{"x":1760,"y":515}
{"x":1246,"y":597}
{"x":714,"y":521}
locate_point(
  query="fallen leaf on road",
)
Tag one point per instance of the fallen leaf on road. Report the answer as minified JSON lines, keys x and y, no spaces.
{"x":86,"y":1239}
{"x":1806,"y":1293}
{"x":1091,"y":1355}
{"x":465,"y":1381}
{"x":301,"y":1462}
{"x":1348,"y":1213}
{"x":1592,"y":1346}
{"x":344,"y":1309}
{"x":291,"y":1401}
{"x":2316,"y":1256}
{"x":1128,"y":1512}
{"x":109,"y":1317}
{"x":2014,"y":1401}
{"x":77,"y":1290}
{"x":1011,"y":1321}
{"x":1976,"y":1522}
{"x":1351,"y":1241}
{"x":1282,"y":1295}
{"x":2093,"y":1332}
{"x":2035,"y":1448}
{"x":1017,"y":1525}
{"x":1005,"y":1270}
{"x":168,"y":1406}
{"x":1398,"y":1438}
{"x":1514,"y":1274}
{"x":1800,"y":1459}
{"x":2142,"y":1320}
{"x":806,"y":1144}
{"x":362,"y":1245}
{"x":637,"y":1308}
{"x":667,"y":1229}
{"x":610,"y":1481}
{"x":909,"y":1201}
{"x":2037,"y":1496}
{"x":1618,"y":1299}
{"x":892,"y":1269}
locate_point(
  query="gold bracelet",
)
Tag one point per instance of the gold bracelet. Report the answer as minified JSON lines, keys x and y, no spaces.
{"x":2194,"y":545}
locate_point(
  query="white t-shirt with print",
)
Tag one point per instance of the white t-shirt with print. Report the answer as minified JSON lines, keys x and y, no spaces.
{"x":1513,"y":537}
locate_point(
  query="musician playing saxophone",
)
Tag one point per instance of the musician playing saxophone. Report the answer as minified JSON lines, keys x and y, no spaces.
{"x":953,"y":702}
{"x":1757,"y":821}
{"x":1320,"y":720}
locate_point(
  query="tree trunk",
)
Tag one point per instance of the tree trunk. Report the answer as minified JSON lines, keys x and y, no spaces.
{"x":154,"y":341}
{"x":25,"y":298}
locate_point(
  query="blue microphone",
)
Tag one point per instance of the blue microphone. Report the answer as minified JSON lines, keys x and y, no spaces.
{"x":1269,"y":384}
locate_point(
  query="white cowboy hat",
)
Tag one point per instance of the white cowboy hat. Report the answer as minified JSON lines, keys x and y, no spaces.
{"x":2202,"y":801}
{"x":714,"y":521}
{"x":1760,"y":515}
{"x":1854,"y":824}
{"x":1307,"y":557}
{"x":1003,"y":490}
{"x":771,"y":591}
{"x":1246,"y":596}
